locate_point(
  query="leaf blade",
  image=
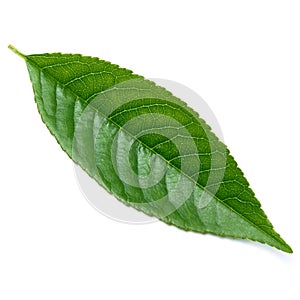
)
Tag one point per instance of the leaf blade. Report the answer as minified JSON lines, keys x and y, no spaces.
{"x":77,"y":80}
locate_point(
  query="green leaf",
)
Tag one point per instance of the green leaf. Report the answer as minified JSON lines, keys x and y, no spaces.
{"x":146,"y":147}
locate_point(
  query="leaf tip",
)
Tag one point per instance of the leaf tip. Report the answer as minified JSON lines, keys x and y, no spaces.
{"x":15,"y":50}
{"x":288,"y":249}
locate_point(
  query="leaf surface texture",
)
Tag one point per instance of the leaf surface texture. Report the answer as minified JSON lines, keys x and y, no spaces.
{"x":146,"y":147}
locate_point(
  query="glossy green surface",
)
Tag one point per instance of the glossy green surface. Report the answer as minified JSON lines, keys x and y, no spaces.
{"x":146,"y":147}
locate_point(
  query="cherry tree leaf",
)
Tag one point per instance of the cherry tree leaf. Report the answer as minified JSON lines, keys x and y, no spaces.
{"x":146,"y":147}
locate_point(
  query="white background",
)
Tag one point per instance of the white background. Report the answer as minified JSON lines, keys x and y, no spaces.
{"x":243,"y":58}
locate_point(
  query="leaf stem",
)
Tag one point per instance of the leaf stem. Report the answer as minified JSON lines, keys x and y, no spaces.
{"x":15,"y":50}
